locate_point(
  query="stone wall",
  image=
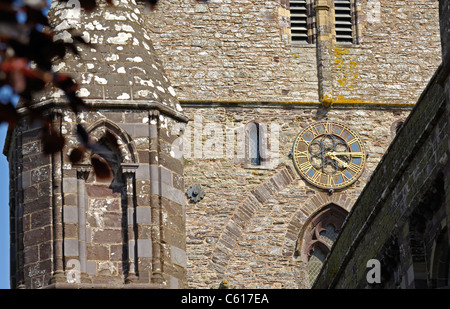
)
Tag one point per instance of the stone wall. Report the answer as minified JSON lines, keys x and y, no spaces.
{"x":402,"y":216}
{"x":416,"y":165}
{"x":232,"y":63}
{"x":71,"y":228}
{"x":444,"y":11}
{"x":226,"y":50}
{"x":31,"y":211}
{"x":246,"y":227}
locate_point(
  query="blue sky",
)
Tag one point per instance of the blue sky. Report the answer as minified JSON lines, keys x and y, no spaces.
{"x":5,"y":94}
{"x":4,"y":213}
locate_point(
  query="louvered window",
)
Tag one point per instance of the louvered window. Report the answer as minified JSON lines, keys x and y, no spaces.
{"x":343,"y":21}
{"x":299,"y":21}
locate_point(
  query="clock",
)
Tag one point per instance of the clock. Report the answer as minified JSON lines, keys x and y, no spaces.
{"x":329,"y":155}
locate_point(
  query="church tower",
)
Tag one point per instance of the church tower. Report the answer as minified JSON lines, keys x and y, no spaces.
{"x":71,"y":228}
{"x":284,"y":109}
{"x":292,"y":104}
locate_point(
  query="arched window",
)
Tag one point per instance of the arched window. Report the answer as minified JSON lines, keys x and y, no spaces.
{"x":254,"y":144}
{"x":257,"y":145}
{"x":318,"y":236}
{"x":108,"y":245}
{"x":440,"y":268}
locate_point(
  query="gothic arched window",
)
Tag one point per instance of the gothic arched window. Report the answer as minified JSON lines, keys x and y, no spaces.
{"x":318,"y":236}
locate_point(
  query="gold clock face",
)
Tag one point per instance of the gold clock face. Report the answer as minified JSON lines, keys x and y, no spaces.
{"x":329,"y":155}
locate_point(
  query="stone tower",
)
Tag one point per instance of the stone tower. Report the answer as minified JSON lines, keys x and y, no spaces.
{"x":70,"y":228}
{"x":252,"y":78}
{"x":252,"y":75}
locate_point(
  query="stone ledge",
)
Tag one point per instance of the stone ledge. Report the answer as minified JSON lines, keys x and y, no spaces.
{"x":99,"y":104}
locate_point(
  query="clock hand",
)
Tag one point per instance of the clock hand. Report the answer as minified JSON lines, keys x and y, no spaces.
{"x":332,"y":156}
{"x":354,"y":154}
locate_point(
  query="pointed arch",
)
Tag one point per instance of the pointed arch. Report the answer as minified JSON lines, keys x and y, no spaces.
{"x":306,"y":211}
{"x":440,"y":261}
{"x":125,"y":142}
{"x":325,"y":223}
{"x":109,"y":204}
{"x":317,"y":237}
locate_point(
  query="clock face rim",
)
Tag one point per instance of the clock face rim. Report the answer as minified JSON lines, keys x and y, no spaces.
{"x":346,"y":182}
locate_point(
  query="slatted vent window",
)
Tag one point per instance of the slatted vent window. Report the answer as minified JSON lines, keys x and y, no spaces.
{"x":343,"y":19}
{"x":299,"y":21}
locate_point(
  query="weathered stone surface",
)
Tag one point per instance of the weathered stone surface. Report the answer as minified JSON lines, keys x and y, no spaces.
{"x":232,"y":64}
{"x":409,"y":188}
{"x":242,"y":52}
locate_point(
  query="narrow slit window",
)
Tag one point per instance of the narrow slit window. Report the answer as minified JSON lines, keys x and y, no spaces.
{"x":254,"y":144}
{"x":343,"y":21}
{"x":299,"y":21}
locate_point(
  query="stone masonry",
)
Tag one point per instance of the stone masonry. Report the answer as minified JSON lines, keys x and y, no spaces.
{"x":222,"y":67}
{"x":403,"y":215}
{"x":237,"y":51}
{"x":71,"y":229}
{"x":256,"y":249}
{"x":233,"y":63}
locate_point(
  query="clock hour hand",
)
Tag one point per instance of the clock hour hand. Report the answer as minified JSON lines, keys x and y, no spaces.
{"x":353,"y":154}
{"x":332,"y":156}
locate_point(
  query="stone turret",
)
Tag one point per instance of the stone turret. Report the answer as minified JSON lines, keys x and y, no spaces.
{"x":70,"y":228}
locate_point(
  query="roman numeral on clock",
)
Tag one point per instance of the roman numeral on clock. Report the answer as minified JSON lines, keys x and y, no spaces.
{"x":316,"y":176}
{"x":354,"y":168}
{"x":330,"y":181}
{"x":328,"y":128}
{"x":300,"y":154}
{"x":305,"y":166}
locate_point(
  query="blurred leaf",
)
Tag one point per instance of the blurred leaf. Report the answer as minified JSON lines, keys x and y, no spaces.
{"x":52,"y":142}
{"x":111,"y":139}
{"x":17,"y":81}
{"x":88,"y":5}
{"x":72,"y":48}
{"x":42,"y":49}
{"x":76,"y":103}
{"x":80,"y":39}
{"x":101,"y":167}
{"x":83,"y":136}
{"x":14,"y":64}
{"x":77,"y":154}
{"x":65,"y":82}
{"x":36,"y":4}
{"x":8,"y":113}
{"x":35,"y":15}
{"x":7,"y":12}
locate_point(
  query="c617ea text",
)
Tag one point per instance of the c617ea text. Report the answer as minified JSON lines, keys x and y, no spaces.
{"x":231,"y":298}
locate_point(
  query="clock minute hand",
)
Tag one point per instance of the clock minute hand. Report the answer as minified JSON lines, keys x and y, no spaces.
{"x":354,"y":154}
